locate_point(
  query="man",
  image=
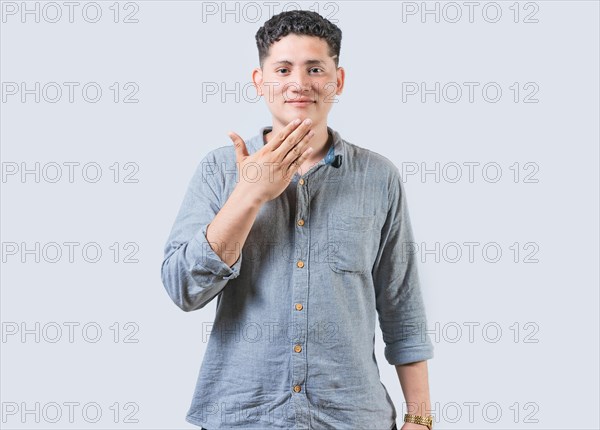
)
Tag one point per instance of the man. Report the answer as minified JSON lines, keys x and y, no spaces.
{"x":301,"y":236}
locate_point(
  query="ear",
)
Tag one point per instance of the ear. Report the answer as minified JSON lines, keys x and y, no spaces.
{"x":257,"y":79}
{"x":341,"y":76}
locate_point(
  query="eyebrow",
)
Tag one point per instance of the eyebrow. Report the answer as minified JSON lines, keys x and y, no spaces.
{"x":306,"y":63}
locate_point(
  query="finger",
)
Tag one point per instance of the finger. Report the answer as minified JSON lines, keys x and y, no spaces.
{"x":297,"y":150}
{"x":295,"y":164}
{"x":303,"y":156}
{"x":240,"y":146}
{"x":293,"y":139}
{"x":277,"y":139}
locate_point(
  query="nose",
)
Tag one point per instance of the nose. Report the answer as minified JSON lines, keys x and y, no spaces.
{"x":302,"y":82}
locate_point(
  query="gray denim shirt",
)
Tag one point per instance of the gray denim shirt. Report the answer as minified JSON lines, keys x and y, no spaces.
{"x":292,"y":344}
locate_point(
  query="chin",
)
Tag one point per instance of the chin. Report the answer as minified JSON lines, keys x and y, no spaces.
{"x":288,"y":117}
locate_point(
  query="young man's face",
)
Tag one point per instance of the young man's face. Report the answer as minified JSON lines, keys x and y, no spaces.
{"x":299,"y":80}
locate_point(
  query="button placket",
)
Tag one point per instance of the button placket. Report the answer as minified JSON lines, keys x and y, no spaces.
{"x":300,"y":300}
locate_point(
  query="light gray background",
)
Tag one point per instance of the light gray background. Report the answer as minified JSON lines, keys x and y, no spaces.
{"x":170,"y":53}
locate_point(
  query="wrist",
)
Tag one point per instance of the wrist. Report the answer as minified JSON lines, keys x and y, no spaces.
{"x":246,"y":198}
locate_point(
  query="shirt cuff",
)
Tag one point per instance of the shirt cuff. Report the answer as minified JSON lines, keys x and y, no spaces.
{"x":401,"y":354}
{"x":210,"y":261}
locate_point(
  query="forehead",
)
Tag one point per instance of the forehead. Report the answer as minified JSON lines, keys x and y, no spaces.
{"x":298,"y":47}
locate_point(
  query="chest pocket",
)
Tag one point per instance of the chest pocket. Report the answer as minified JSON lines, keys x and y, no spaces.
{"x":352,"y":241}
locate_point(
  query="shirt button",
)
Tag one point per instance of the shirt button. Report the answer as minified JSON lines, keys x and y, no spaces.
{"x":298,"y":348}
{"x":300,"y":264}
{"x":301,"y":222}
{"x":297,"y":388}
{"x":299,"y":306}
{"x":301,"y":181}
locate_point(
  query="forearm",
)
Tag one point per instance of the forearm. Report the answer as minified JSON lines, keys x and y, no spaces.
{"x":229,"y":229}
{"x":414,"y":380}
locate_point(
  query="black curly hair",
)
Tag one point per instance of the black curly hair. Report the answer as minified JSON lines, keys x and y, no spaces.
{"x":302,"y":22}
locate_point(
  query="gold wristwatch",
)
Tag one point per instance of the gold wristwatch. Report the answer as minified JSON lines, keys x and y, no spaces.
{"x":418,"y":419}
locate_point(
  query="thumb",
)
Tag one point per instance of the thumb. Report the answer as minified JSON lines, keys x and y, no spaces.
{"x":240,"y":146}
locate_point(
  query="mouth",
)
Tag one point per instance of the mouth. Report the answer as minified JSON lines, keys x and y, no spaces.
{"x":300,"y":102}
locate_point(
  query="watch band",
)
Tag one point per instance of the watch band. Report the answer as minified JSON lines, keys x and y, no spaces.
{"x":418,"y":419}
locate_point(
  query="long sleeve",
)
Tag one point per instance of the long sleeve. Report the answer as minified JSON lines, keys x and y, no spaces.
{"x":399,"y":301}
{"x":192,"y":273}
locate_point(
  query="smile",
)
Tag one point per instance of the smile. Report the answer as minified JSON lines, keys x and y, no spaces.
{"x":300,"y":103}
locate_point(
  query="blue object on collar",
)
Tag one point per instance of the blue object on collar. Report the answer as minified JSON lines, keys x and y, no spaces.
{"x":330,"y":155}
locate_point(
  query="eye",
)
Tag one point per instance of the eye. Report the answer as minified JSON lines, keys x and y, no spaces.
{"x":279,"y":70}
{"x":315,"y":68}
